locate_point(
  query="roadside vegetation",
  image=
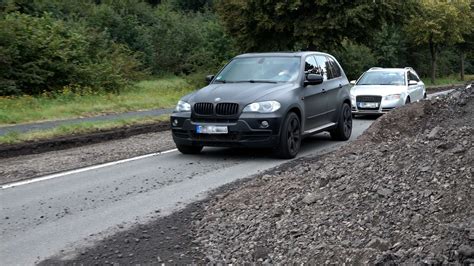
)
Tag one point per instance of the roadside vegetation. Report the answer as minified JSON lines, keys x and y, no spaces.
{"x":79,"y":128}
{"x":71,"y":58}
{"x":450,"y":80}
{"x":149,"y":94}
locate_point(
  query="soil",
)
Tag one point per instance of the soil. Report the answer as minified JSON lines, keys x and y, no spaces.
{"x":66,"y":142}
{"x":401,"y":194}
{"x":23,"y":167}
{"x":439,"y":88}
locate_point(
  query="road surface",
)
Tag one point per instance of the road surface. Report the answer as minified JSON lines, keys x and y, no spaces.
{"x":69,"y":210}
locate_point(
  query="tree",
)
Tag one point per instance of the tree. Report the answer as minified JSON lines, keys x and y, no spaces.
{"x":440,"y":23}
{"x":263,"y":25}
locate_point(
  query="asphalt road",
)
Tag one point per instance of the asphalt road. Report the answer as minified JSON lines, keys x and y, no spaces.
{"x":54,"y":216}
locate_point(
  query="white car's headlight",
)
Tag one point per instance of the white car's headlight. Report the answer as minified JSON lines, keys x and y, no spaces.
{"x":392,"y":97}
{"x":183,"y":106}
{"x":263,"y":107}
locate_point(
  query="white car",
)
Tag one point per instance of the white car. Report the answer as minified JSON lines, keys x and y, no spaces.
{"x":379,"y":90}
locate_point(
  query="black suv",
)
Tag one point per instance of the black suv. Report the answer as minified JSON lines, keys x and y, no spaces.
{"x":266,"y":100}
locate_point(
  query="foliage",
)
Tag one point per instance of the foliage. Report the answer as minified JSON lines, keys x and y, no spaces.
{"x":440,"y":23}
{"x":293,"y":24}
{"x":355,"y":59}
{"x":103,"y":44}
{"x":43,"y":54}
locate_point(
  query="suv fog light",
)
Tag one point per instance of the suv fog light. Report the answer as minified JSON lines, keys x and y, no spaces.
{"x":264,"y":124}
{"x":175,"y":122}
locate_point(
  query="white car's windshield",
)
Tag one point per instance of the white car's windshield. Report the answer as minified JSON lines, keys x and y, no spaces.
{"x":383,"y":78}
{"x":260,"y":69}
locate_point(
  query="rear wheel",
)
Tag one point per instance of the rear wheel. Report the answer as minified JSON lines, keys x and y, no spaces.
{"x":343,"y":129}
{"x":187,"y":149}
{"x":290,"y":137}
{"x":407,"y":101}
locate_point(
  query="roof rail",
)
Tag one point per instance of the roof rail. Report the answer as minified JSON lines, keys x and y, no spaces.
{"x":409,"y":68}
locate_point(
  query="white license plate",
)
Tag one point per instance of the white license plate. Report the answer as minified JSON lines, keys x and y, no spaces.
{"x":212,"y":129}
{"x":368,"y":105}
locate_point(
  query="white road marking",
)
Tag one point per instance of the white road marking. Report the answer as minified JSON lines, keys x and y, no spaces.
{"x":80,"y":170}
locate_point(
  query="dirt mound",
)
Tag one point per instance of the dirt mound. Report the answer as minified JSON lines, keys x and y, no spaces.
{"x":402,"y":193}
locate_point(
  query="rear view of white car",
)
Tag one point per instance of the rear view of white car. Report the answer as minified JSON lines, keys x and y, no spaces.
{"x":379,"y":90}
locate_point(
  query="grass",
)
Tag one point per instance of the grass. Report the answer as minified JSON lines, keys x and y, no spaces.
{"x":150,"y":94}
{"x":15,"y":137}
{"x":450,"y":80}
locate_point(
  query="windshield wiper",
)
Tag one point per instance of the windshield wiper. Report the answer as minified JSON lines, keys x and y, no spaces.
{"x":255,"y":81}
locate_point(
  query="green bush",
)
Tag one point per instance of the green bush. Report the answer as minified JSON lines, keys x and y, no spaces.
{"x":355,"y":59}
{"x":39,"y":54}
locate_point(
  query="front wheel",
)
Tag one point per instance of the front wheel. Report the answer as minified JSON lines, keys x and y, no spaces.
{"x":290,"y":137}
{"x":187,"y":149}
{"x":343,"y":129}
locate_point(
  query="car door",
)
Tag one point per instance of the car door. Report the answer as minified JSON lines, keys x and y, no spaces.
{"x":334,"y":84}
{"x":417,"y":90}
{"x":314,"y":97}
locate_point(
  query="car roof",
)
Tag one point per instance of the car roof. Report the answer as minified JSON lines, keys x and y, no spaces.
{"x":295,"y":54}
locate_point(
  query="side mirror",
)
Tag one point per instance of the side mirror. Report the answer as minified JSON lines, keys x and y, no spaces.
{"x":313,"y":79}
{"x":412,"y":82}
{"x":209,"y":78}
{"x":353,"y":82}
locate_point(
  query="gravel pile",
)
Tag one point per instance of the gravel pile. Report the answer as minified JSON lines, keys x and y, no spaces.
{"x":402,"y":193}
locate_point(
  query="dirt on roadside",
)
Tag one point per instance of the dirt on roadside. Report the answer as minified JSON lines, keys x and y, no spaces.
{"x":402,"y":193}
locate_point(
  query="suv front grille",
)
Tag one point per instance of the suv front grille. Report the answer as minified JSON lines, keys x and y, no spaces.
{"x":227,"y":108}
{"x":369,"y":99}
{"x":204,"y":108}
{"x":221,"y":109}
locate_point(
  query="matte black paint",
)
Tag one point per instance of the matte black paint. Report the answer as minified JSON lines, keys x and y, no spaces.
{"x":317,"y":105}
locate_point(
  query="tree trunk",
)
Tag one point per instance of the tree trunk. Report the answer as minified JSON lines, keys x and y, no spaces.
{"x":433,"y":52}
{"x":462,"y":65}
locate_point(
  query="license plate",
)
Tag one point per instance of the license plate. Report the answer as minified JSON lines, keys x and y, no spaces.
{"x":212,"y":129}
{"x":368,"y":105}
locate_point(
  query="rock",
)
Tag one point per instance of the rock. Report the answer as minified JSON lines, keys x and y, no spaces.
{"x":378,"y":243}
{"x":466,"y":251}
{"x":433,"y":133}
{"x":384,"y":192}
{"x":311,"y":198}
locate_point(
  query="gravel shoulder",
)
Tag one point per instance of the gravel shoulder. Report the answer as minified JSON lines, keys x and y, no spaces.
{"x":34,"y":165}
{"x":401,"y":194}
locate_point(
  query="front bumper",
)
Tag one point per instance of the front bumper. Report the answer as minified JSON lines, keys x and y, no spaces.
{"x":383,"y":107}
{"x":246,"y":131}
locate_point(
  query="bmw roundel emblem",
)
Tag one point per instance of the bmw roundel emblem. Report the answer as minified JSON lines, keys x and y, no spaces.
{"x":217,"y":99}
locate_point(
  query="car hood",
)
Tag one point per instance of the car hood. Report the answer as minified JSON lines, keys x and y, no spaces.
{"x":243,"y":93}
{"x":382,"y":90}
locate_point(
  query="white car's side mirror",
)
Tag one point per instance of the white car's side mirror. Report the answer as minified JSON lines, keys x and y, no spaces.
{"x":412,"y":82}
{"x":353,"y":82}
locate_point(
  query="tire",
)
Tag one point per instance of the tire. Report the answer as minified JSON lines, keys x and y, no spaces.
{"x":425,"y":96}
{"x":343,"y":129}
{"x":407,"y":101}
{"x":290,"y":137}
{"x":185,"y":149}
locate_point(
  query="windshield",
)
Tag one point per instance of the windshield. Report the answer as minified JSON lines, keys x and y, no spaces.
{"x":260,"y":69}
{"x":382,"y":78}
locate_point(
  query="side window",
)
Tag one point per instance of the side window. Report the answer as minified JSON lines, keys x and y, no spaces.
{"x":412,"y":76}
{"x":322,"y":66}
{"x":335,"y":70}
{"x":310,"y":66}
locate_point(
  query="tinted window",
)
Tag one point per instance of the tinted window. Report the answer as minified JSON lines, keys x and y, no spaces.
{"x":323,"y":66}
{"x":310,"y":66}
{"x":412,"y":76}
{"x":335,"y":70}
{"x":263,"y":68}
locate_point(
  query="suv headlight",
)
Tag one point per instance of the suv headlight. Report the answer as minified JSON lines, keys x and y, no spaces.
{"x":392,"y":97}
{"x":183,"y":106}
{"x":263,"y":107}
